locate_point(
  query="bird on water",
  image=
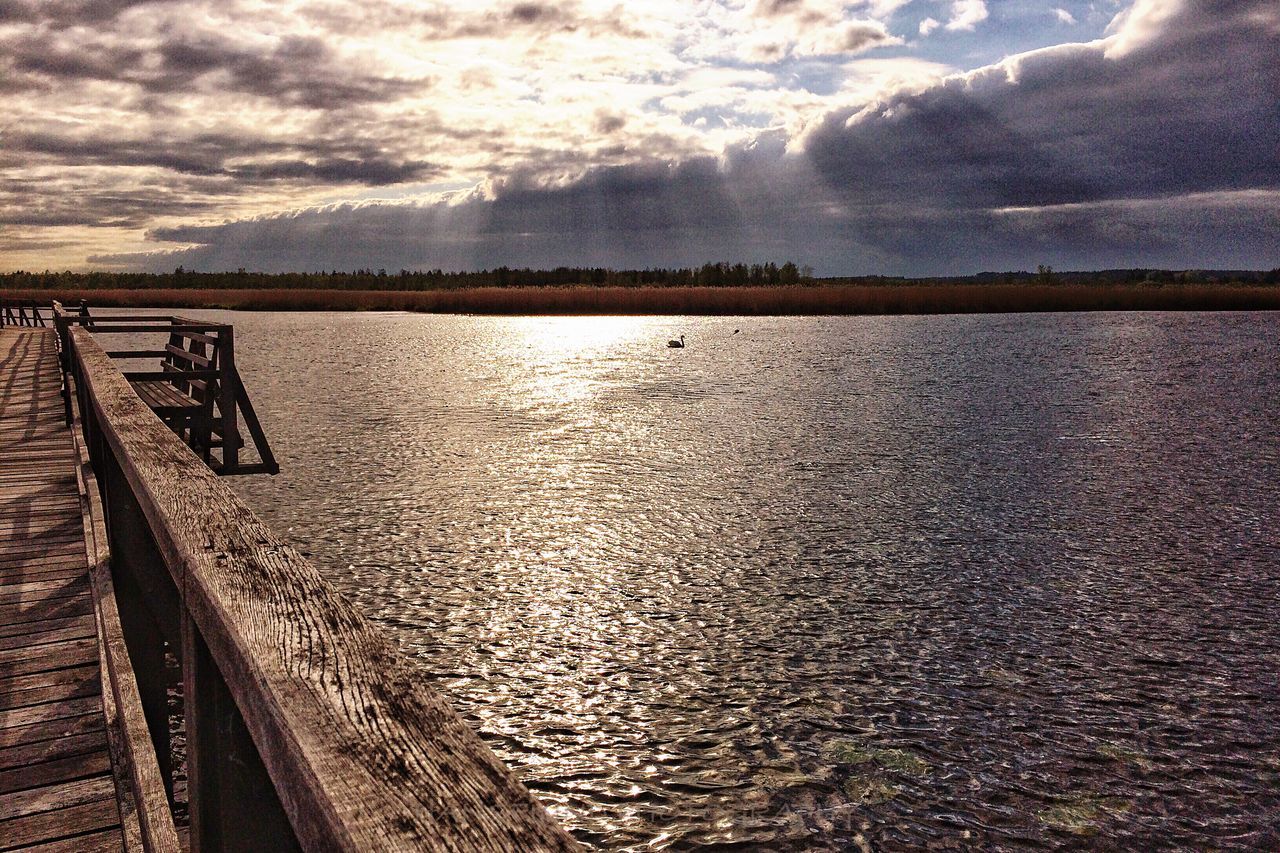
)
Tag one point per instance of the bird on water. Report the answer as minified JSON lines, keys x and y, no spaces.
{"x":677,"y":344}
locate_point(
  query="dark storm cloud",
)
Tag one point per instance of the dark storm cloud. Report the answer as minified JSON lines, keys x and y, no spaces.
{"x":67,"y":13}
{"x":104,"y":207}
{"x":535,"y":18}
{"x":1162,"y":154}
{"x":797,"y":9}
{"x":296,"y":70}
{"x":777,"y":7}
{"x":40,"y":55}
{"x":293,"y":71}
{"x":1196,"y":110}
{"x":607,"y":122}
{"x":249,"y":161}
{"x":858,"y":37}
{"x":336,"y":170}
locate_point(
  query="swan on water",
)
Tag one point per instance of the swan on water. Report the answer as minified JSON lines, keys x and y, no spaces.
{"x":677,"y":344}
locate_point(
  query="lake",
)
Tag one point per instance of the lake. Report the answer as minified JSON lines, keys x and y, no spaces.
{"x":878,"y":583}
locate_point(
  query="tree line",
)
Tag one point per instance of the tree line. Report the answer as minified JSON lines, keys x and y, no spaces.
{"x":707,"y":275}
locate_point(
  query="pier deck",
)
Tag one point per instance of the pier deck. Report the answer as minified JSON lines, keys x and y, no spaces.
{"x":57,"y":791}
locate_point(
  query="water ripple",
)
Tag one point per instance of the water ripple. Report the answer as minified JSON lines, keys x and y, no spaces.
{"x":877,"y":583}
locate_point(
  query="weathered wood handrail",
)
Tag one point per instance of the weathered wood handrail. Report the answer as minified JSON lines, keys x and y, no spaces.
{"x":145,"y":816}
{"x":305,"y":727}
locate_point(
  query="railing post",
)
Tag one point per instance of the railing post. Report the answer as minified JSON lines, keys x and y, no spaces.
{"x":228,"y":394}
{"x":232,"y":803}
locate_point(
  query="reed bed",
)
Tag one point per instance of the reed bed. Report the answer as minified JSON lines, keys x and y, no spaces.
{"x":780,"y":300}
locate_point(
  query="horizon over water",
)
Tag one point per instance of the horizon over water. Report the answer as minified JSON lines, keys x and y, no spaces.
{"x":880,"y":582}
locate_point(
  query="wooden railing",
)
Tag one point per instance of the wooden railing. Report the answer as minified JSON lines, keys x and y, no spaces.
{"x":24,"y":312}
{"x":305,"y":728}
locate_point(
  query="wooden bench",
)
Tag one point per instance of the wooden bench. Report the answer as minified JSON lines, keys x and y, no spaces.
{"x":166,"y":400}
{"x":196,"y":391}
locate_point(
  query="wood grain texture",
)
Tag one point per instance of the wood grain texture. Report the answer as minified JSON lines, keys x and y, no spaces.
{"x":363,"y":754}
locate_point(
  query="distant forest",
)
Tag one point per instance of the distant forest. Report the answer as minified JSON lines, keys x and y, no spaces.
{"x":708,"y":275}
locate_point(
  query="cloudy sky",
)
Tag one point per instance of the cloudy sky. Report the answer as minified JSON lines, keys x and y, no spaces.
{"x":879,"y":136}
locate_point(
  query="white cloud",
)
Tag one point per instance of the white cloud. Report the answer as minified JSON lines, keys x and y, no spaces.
{"x":928,"y":25}
{"x":1140,"y":24}
{"x":967,"y":14}
{"x":1064,"y":16}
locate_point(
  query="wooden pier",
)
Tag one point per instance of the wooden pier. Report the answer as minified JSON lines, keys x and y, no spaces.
{"x":173,"y":675}
{"x":56,"y":784}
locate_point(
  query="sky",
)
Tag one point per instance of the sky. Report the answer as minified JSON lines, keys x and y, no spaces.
{"x":893,"y":137}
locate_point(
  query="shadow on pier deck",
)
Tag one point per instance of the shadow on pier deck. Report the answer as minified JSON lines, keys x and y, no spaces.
{"x":56,"y":785}
{"x":140,"y":598}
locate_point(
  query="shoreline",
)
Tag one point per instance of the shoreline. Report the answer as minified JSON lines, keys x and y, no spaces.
{"x":795,"y":300}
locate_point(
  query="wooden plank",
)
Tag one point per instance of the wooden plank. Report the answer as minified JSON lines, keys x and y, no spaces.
{"x":34,"y":642}
{"x":106,"y":841}
{"x":64,"y":569}
{"x":50,"y":481}
{"x":10,"y":718}
{"x":53,"y":503}
{"x":63,"y":532}
{"x":33,"y":680}
{"x":38,"y":574}
{"x":76,"y":585}
{"x":191,"y":331}
{"x":363,"y":753}
{"x":46,"y":730}
{"x":16,"y":578}
{"x":31,"y":549}
{"x":164,"y":395}
{"x":53,"y":693}
{"x":16,"y":507}
{"x":31,"y":452}
{"x":135,"y":376}
{"x":186,"y":355}
{"x":59,"y":796}
{"x":52,"y":749}
{"x":66,"y":769}
{"x":18,"y":492}
{"x":105,"y":321}
{"x":47,"y":561}
{"x":39,"y":627}
{"x":51,"y":610}
{"x":31,"y":592}
{"x":31,"y":553}
{"x":69,"y":653}
{"x":96,"y":811}
{"x":27,"y":552}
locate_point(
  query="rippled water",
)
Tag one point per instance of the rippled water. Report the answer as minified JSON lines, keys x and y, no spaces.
{"x":1006,"y":581}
